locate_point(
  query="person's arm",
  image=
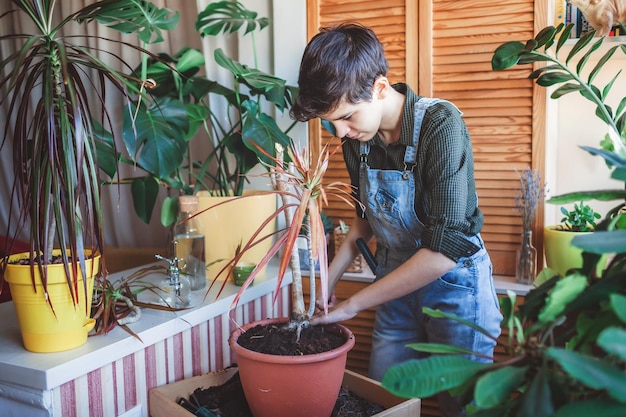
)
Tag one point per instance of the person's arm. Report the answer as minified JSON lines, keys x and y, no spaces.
{"x":422,"y":268}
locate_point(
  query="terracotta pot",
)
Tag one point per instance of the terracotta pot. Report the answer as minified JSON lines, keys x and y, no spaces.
{"x":288,"y":386}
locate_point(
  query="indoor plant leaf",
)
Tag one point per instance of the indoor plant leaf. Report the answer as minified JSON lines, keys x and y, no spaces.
{"x":591,"y":371}
{"x":536,"y":400}
{"x":597,"y":407}
{"x":140,"y":17}
{"x":613,"y":340}
{"x":600,"y":242}
{"x":506,"y":55}
{"x":436,"y":373}
{"x":618,"y":304}
{"x":155,"y":137}
{"x":145,"y":191}
{"x":563,"y":292}
{"x":228,"y":17}
{"x":494,"y":387}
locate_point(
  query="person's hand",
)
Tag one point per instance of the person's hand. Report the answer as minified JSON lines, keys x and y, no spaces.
{"x":341,"y":312}
{"x":319,"y":304}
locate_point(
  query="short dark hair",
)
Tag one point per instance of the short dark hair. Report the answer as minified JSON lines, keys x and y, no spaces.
{"x":340,"y":62}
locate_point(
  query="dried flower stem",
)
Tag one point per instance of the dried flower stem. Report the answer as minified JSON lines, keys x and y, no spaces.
{"x":531,"y":193}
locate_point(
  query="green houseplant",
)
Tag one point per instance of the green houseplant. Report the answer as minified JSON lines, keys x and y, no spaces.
{"x":187,"y":107}
{"x":566,"y":340}
{"x":561,"y":255}
{"x":54,"y":88}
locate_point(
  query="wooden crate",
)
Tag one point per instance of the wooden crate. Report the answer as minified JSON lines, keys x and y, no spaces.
{"x":162,"y":400}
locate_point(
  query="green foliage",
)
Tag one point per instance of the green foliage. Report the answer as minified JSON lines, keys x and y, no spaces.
{"x":582,"y":218}
{"x":55,"y":125}
{"x":158,"y":131}
{"x":566,"y":354}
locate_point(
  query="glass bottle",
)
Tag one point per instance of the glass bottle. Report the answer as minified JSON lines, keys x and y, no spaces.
{"x":189,"y":243}
{"x":526,"y":260}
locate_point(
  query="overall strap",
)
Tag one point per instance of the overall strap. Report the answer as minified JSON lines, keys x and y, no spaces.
{"x":420,"y":111}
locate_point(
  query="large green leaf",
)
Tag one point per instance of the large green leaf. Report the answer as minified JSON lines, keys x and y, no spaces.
{"x":563,"y":292}
{"x":440,"y":348}
{"x":495,"y":387}
{"x":425,"y":377}
{"x":618,"y":305}
{"x":613,"y":341}
{"x":106,"y":154}
{"x":591,"y":372}
{"x":145,"y":191}
{"x":600,"y":195}
{"x":537,"y":398}
{"x":157,"y":140}
{"x":228,"y":17}
{"x":597,"y":407}
{"x":140,"y":17}
{"x":601,"y":242}
{"x":262,"y":131}
{"x":506,"y":55}
{"x":272,"y":88}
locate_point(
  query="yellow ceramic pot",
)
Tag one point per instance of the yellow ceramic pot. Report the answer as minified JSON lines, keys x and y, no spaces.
{"x":61,"y":325}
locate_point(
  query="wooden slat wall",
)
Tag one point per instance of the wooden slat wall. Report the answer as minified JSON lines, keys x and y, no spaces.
{"x":499,"y":108}
{"x":444,"y":49}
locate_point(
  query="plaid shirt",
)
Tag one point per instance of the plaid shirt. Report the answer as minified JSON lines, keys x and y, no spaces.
{"x":445,"y":190}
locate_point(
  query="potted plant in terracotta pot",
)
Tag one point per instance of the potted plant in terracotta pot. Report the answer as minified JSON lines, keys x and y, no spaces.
{"x":566,"y":340}
{"x":561,"y":255}
{"x":53,"y":85}
{"x":278,"y":382}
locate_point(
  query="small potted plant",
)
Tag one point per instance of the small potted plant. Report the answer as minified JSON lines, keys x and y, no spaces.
{"x":561,"y":255}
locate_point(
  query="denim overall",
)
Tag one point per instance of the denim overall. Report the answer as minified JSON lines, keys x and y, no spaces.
{"x":467,"y":290}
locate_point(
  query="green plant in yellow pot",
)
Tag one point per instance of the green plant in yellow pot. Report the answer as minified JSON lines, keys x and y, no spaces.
{"x":561,"y":255}
{"x":53,"y":87}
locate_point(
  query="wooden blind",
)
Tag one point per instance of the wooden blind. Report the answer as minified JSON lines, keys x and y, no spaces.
{"x":500,"y":108}
{"x":444,"y":49}
{"x":392,"y":21}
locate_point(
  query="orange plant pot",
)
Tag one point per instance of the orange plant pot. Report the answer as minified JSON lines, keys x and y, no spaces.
{"x":288,"y":386}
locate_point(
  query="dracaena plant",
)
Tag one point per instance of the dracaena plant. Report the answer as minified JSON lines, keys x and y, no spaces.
{"x":159,"y":136}
{"x":566,"y":341}
{"x":54,"y":86}
{"x":300,"y":186}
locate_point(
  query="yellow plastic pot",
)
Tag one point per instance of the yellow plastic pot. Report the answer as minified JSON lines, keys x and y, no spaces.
{"x":61,"y":327}
{"x":227,"y":226}
{"x":561,"y":255}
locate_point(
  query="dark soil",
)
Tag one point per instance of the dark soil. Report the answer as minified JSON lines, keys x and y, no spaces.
{"x":227,"y":400}
{"x":279,"y":339}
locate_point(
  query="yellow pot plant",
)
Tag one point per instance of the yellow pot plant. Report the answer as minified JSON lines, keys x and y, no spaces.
{"x":54,"y":87}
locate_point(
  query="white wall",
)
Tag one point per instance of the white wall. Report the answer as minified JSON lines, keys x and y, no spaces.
{"x":575,"y":124}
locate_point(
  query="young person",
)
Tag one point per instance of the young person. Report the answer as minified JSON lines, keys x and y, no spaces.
{"x":410,"y":161}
